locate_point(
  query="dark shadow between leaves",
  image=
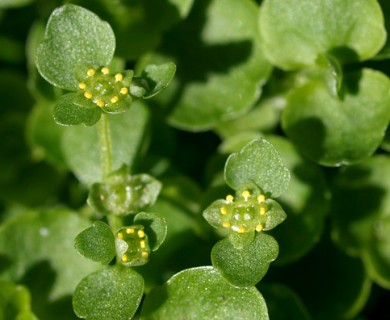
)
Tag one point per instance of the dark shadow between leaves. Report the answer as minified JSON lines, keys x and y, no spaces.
{"x":196,"y":60}
{"x":308,"y":135}
{"x":40,"y":279}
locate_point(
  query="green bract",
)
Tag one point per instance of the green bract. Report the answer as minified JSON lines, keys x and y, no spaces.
{"x":123,"y":194}
{"x":199,"y":293}
{"x":260,"y":162}
{"x":113,"y":293}
{"x":97,"y":243}
{"x":247,"y":266}
{"x":295,"y":36}
{"x":74,"y":37}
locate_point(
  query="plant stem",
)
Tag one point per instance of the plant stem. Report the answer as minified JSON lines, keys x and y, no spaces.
{"x":105,"y":146}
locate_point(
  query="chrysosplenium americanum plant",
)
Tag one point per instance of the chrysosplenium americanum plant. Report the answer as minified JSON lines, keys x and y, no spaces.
{"x":181,"y":159}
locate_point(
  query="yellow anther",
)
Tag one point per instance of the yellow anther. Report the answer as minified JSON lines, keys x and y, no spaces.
{"x":226,"y":224}
{"x":88,"y":95}
{"x":259,"y":227}
{"x":223,"y":210}
{"x":118,"y":77}
{"x":145,"y":254}
{"x":229,"y":198}
{"x":129,"y":230}
{"x":120,"y":235}
{"x":82,"y":85}
{"x":261,"y":198}
{"x":241,"y":229}
{"x":125,"y":258}
{"x":246,"y":194}
{"x":141,"y":233}
{"x":124,"y":91}
{"x":114,"y":99}
{"x":100,"y":103}
{"x":105,"y":70}
{"x":142,"y":244}
{"x":263,"y":210}
{"x":90,"y":72}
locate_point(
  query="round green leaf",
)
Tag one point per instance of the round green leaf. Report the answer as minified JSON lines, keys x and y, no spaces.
{"x":201,"y":293}
{"x":247,"y":266}
{"x":67,"y":113}
{"x":81,"y":144}
{"x":97,"y":243}
{"x":31,"y":239}
{"x":334,"y":131}
{"x":294,"y":36}
{"x":260,"y":162}
{"x":155,"y":227}
{"x":114,"y":293}
{"x":219,"y":68}
{"x":74,"y":37}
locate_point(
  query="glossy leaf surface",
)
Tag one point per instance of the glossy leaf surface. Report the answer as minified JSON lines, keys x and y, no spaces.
{"x":200,"y":292}
{"x":113,"y":293}
{"x":259,"y":162}
{"x":294,"y":36}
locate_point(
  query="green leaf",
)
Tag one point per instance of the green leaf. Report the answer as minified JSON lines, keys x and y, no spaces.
{"x":260,"y":162}
{"x":67,"y":113}
{"x":333,"y":74}
{"x":44,"y":135}
{"x":376,"y":256}
{"x":275,"y":215}
{"x":74,"y":37}
{"x":4,"y":4}
{"x":155,"y":227}
{"x":81,"y":144}
{"x":207,"y":88}
{"x":123,"y":194}
{"x":333,"y":131}
{"x":199,"y":293}
{"x":114,"y":293}
{"x":153,"y":80}
{"x":31,"y":239}
{"x":306,"y":202}
{"x":15,"y":302}
{"x":247,"y":266}
{"x":295,"y":36}
{"x":97,"y":243}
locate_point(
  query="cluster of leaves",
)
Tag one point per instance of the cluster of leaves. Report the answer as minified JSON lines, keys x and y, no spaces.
{"x":273,"y":105}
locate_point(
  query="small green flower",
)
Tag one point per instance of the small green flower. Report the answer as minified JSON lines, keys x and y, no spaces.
{"x":122,"y":194}
{"x":132,"y":245}
{"x":98,"y":88}
{"x":250,"y":211}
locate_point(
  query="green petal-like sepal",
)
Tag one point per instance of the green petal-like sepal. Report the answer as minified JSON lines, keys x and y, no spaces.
{"x":122,"y":194}
{"x":132,"y":245}
{"x":246,"y":213}
{"x":68,"y":113}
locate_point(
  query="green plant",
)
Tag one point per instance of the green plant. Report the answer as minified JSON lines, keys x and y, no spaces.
{"x":179,"y":159}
